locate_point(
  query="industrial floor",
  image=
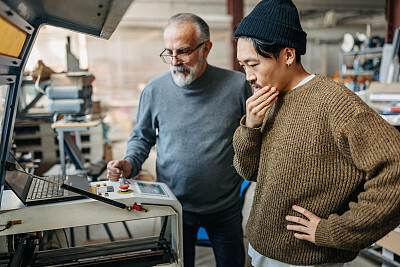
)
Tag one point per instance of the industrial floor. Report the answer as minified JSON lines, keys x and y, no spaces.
{"x":204,"y":255}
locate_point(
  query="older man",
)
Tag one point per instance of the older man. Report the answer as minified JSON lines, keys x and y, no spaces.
{"x":191,"y":114}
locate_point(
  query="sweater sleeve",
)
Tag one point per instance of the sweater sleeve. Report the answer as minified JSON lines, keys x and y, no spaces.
{"x":143,"y":136}
{"x":247,"y":145}
{"x":373,"y":146}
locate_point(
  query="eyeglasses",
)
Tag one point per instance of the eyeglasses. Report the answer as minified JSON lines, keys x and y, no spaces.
{"x":182,"y":58}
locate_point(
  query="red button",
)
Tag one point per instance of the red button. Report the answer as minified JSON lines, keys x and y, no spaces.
{"x":124,"y":186}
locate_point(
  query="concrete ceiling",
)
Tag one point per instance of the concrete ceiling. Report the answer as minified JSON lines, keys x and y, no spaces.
{"x":322,"y":19}
{"x":347,"y":12}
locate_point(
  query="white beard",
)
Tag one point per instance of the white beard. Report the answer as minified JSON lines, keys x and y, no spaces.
{"x":180,"y":79}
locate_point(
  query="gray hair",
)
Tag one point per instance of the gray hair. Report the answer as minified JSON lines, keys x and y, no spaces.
{"x":203,"y":31}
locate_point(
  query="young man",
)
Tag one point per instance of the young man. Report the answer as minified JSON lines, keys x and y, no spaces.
{"x":191,"y":114}
{"x":327,"y":166}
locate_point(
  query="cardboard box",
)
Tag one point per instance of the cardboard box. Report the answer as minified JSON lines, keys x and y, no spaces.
{"x":96,"y":107}
{"x":77,"y":79}
{"x":382,"y":94}
{"x":384,"y":88}
{"x":107,"y":152}
{"x":391,"y":242}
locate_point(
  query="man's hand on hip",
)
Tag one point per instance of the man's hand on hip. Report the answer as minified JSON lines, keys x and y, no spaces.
{"x":305,"y":229}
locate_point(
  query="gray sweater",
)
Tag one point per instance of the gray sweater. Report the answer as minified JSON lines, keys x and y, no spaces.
{"x":193,"y":128}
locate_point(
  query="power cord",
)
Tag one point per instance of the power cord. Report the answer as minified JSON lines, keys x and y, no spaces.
{"x":8,"y":225}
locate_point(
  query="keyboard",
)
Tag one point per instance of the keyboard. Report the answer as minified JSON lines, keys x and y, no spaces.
{"x":42,"y":189}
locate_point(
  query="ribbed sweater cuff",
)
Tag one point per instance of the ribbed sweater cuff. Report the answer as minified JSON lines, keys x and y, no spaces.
{"x":322,"y":234}
{"x":250,"y":133}
{"x":243,"y":123}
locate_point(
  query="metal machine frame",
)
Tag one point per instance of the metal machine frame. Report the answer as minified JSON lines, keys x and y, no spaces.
{"x":21,"y":225}
{"x":29,"y":222}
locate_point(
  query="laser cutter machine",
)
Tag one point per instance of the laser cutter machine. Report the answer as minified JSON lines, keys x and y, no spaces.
{"x":23,"y":227}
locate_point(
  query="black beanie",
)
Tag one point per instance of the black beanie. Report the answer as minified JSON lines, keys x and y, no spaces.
{"x":275,"y":20}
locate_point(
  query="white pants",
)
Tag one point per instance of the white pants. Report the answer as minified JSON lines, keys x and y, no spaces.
{"x":258,"y":260}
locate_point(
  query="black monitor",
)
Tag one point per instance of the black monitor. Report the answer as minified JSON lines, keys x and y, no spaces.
{"x":17,"y":181}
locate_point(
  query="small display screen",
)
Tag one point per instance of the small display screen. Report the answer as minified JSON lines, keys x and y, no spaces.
{"x":152,"y":189}
{"x":12,"y":39}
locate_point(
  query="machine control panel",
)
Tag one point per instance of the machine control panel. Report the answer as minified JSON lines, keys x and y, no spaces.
{"x":133,"y":188}
{"x":151,"y":189}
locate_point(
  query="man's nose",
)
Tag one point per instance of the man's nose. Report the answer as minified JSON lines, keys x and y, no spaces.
{"x":175,"y":61}
{"x":250,"y":77}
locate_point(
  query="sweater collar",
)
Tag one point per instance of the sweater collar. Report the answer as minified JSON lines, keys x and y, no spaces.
{"x":301,"y":87}
{"x":304,"y":81}
{"x":201,"y":81}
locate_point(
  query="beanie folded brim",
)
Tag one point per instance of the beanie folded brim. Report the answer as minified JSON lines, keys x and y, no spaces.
{"x":273,"y":32}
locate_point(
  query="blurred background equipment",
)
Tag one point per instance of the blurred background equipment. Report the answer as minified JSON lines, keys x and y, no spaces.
{"x":70,"y":94}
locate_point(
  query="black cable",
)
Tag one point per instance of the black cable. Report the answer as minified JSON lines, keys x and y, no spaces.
{"x":66,"y":237}
{"x":163,"y":228}
{"x":94,"y":196}
{"x":7,"y":226}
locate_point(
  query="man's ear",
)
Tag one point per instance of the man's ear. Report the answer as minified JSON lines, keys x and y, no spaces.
{"x":290,"y":56}
{"x":207,"y":49}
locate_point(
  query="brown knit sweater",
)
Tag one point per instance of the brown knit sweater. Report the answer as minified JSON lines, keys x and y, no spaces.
{"x":322,"y":148}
